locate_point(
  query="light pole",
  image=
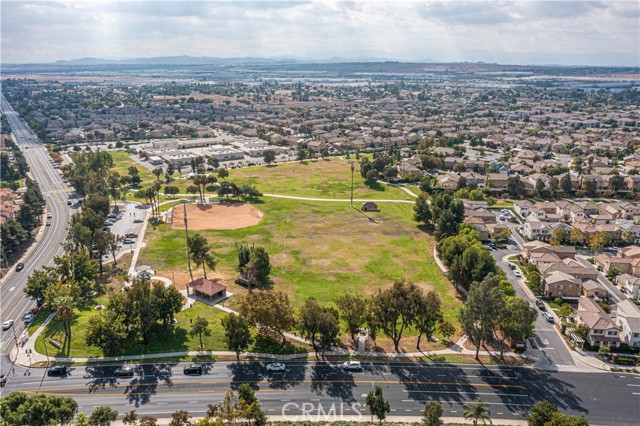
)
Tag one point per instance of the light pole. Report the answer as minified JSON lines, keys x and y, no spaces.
{"x":186,"y":233}
{"x":353,"y":167}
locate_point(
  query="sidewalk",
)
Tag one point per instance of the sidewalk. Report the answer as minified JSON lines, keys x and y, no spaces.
{"x":364,"y":418}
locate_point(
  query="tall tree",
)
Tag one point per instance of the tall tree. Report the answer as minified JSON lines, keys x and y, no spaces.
{"x":107,"y":331}
{"x":599,"y":240}
{"x":354,"y":313}
{"x":237,"y":334}
{"x":565,"y":183}
{"x":258,"y":270}
{"x":422,"y":212}
{"x":168,"y":301}
{"x":516,"y":321}
{"x":395,"y":309}
{"x":377,"y":405}
{"x":590,"y":186}
{"x":309,"y":320}
{"x":428,"y":314}
{"x":269,"y":156}
{"x":158,"y":172}
{"x":199,"y":250}
{"x":63,"y":298}
{"x":271,"y":311}
{"x":199,"y":327}
{"x":481,"y":312}
{"x":114,"y":183}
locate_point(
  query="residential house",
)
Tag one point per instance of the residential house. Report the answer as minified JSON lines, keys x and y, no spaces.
{"x":475,"y":178}
{"x":593,"y":289}
{"x":628,"y":320}
{"x":496,"y":181}
{"x":602,"y":329}
{"x":523,"y":207}
{"x":448,"y":181}
{"x":630,"y":252}
{"x":630,"y":285}
{"x":561,"y":284}
{"x":535,"y":229}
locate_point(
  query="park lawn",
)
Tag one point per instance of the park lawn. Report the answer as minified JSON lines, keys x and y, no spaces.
{"x":122,"y":161}
{"x":317,"y":249}
{"x":172,"y":339}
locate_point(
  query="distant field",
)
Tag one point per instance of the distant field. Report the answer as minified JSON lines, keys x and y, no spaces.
{"x":122,"y":162}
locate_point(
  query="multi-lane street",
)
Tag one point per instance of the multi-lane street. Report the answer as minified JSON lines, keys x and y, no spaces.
{"x":12,"y":299}
{"x":161,"y":389}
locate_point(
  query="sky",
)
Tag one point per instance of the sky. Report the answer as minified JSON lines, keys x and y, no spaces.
{"x":504,"y":31}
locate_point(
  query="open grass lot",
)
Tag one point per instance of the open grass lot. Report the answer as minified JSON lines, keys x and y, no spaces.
{"x":171,"y":339}
{"x":122,"y":162}
{"x":330,"y":178}
{"x":317,"y":249}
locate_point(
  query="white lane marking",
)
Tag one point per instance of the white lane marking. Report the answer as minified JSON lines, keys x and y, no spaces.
{"x":475,"y":393}
{"x":193,"y":402}
{"x":632,"y":385}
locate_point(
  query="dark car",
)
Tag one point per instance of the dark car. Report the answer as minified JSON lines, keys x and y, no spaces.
{"x":540,"y":305}
{"x":3,"y":380}
{"x":123,"y":372}
{"x":194,"y":369}
{"x":19,"y":267}
{"x":40,"y":301}
{"x":57,"y":370}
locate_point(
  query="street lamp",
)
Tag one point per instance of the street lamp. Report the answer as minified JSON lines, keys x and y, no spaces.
{"x":353,"y":167}
{"x":186,"y":233}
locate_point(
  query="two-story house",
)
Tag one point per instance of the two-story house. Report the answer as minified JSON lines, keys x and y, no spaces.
{"x":602,"y":329}
{"x":628,"y":320}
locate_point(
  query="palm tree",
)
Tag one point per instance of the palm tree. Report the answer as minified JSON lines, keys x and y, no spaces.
{"x":62,"y":297}
{"x":199,"y":250}
{"x":477,"y":412}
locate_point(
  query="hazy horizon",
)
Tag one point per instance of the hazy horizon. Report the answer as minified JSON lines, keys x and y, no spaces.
{"x":597,"y":33}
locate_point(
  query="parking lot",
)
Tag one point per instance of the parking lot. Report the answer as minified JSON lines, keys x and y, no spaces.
{"x":129,"y":221}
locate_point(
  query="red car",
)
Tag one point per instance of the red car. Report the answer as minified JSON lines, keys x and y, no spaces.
{"x":34,"y":310}
{"x":131,"y":235}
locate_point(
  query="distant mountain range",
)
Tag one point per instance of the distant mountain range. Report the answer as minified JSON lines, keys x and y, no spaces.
{"x":206,"y":60}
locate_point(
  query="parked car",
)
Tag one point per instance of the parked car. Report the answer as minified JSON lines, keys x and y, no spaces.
{"x":123,"y":372}
{"x":276,"y":366}
{"x":352,"y":366}
{"x":19,"y":267}
{"x":512,"y":266}
{"x":34,"y":310}
{"x":548,"y":317}
{"x":194,"y":369}
{"x":540,"y":305}
{"x":48,"y":223}
{"x":49,"y":215}
{"x":40,"y":301}
{"x":69,"y":202}
{"x":112,"y":216}
{"x":501,"y":217}
{"x":7,"y":324}
{"x":107,"y":223}
{"x":137,"y":220}
{"x":517,"y":273}
{"x":128,"y":241}
{"x":131,"y":235}
{"x":3,"y":380}
{"x":57,"y":370}
{"x":28,"y":318}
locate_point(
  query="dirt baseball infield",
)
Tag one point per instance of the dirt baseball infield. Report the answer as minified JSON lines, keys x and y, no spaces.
{"x":216,"y":216}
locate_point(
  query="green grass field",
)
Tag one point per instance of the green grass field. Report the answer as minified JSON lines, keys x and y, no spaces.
{"x":122,"y":161}
{"x":171,"y":339}
{"x":317,"y":249}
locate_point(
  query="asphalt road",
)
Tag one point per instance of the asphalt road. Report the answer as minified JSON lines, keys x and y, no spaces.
{"x":12,"y":299}
{"x":161,"y":389}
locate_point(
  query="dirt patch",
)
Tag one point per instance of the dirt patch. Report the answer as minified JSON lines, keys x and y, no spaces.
{"x":216,"y":216}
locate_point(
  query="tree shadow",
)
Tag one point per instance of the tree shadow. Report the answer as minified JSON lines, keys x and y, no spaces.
{"x":331,"y":380}
{"x":144,"y":384}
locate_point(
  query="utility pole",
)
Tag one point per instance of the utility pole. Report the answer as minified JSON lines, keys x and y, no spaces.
{"x":353,"y":167}
{"x":186,"y":233}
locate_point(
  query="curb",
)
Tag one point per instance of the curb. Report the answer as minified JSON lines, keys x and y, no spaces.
{"x":36,"y":242}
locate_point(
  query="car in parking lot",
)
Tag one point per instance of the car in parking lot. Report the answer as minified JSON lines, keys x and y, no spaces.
{"x":3,"y":380}
{"x":352,"y":366}
{"x":107,"y":223}
{"x":193,"y":369}
{"x":276,"y":366}
{"x":7,"y":324}
{"x":128,"y":241}
{"x":69,"y":202}
{"x":123,"y":372}
{"x":548,"y":317}
{"x":131,"y":235}
{"x":137,"y":220}
{"x":57,"y":370}
{"x":19,"y":267}
{"x":517,"y":273}
{"x":48,"y":223}
{"x":49,"y":215}
{"x":34,"y":310}
{"x":540,"y":305}
{"x":28,"y":318}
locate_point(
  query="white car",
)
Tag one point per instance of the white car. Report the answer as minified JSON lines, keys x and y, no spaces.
{"x":276,"y":366}
{"x":7,"y":324}
{"x":352,"y":366}
{"x":517,"y":273}
{"x":28,"y":318}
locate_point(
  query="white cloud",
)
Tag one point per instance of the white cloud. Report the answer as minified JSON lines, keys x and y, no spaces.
{"x":503,"y":31}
